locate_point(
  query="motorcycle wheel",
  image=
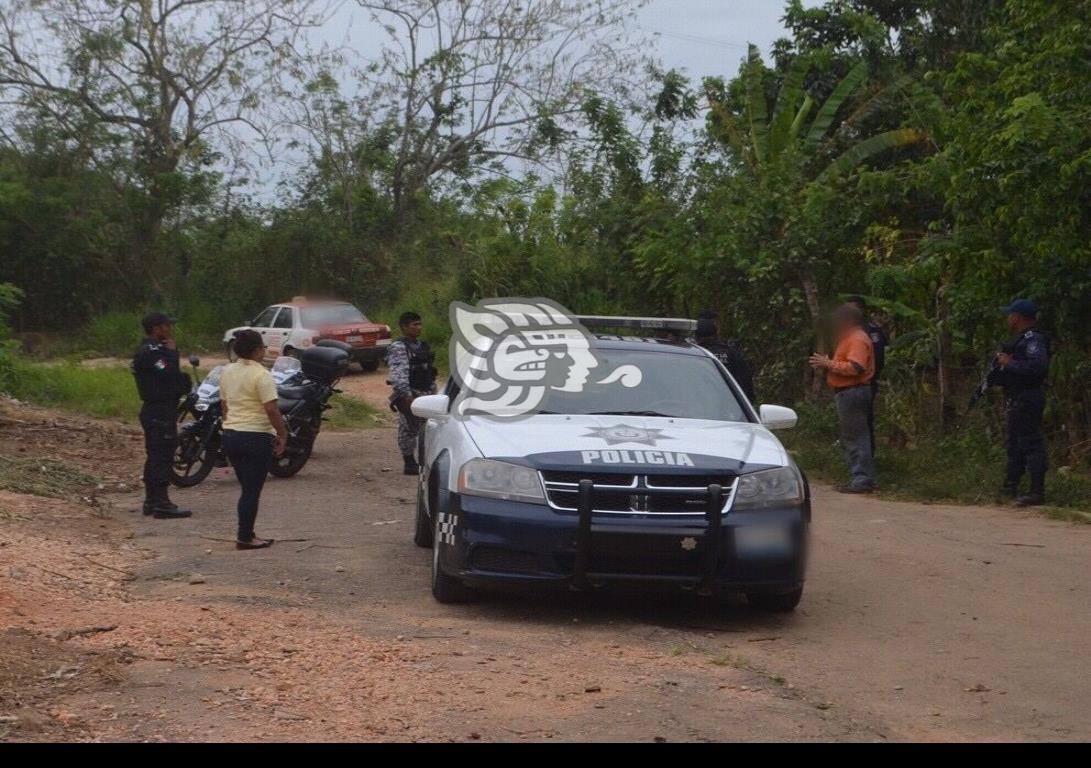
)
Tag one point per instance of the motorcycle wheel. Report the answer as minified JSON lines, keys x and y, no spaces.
{"x":191,"y":463}
{"x":292,"y":460}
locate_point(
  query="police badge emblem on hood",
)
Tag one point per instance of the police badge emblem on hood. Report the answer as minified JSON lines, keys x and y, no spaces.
{"x":620,"y":443}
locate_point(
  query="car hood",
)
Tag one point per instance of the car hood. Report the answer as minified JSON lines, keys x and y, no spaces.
{"x":620,"y":443}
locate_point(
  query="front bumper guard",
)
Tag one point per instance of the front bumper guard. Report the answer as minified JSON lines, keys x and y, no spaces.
{"x":582,"y":579}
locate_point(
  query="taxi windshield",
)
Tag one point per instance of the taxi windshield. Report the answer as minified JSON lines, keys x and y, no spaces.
{"x":331,"y":314}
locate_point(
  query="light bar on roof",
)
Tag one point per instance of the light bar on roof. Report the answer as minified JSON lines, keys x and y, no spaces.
{"x":673,"y":324}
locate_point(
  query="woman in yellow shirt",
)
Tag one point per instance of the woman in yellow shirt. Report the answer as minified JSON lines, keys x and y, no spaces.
{"x":254,"y":430}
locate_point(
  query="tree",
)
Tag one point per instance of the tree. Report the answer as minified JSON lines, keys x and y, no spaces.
{"x":799,"y":155}
{"x":468,"y":86}
{"x":165,"y":78}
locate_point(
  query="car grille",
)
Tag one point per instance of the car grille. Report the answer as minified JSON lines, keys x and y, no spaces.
{"x":621,"y":493}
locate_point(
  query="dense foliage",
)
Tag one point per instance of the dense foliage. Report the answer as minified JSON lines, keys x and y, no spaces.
{"x":933,"y":156}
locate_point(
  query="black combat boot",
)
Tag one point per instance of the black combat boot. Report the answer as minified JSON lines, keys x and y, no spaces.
{"x":1037,"y":495}
{"x":1009,"y":490}
{"x":149,"y":500}
{"x":411,"y":466}
{"x":165,"y":509}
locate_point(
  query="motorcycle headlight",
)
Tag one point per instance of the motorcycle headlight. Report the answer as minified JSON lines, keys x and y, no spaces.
{"x":769,"y":488}
{"x":500,"y":480}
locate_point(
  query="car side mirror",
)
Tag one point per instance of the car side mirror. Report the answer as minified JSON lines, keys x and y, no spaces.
{"x":431,"y":406}
{"x":777,"y":417}
{"x":194,"y":360}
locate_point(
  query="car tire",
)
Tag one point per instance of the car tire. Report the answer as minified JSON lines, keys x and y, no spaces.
{"x":783,"y":602}
{"x":422,"y":526}
{"x":291,"y":352}
{"x":369,"y":366}
{"x":446,"y":589}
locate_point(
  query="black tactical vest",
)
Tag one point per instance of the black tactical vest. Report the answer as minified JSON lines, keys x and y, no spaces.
{"x":422,"y":371}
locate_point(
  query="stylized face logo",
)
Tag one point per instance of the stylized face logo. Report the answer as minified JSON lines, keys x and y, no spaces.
{"x":508,"y":353}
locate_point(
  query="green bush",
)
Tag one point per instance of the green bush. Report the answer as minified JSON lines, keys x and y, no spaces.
{"x":117,"y":334}
{"x":966,"y":466}
{"x":114,"y":334}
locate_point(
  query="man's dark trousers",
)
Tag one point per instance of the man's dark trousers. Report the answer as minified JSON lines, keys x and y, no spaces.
{"x":1026,"y":443}
{"x":160,"y":438}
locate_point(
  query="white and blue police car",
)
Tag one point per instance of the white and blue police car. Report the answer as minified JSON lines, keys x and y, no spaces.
{"x":669,"y":477}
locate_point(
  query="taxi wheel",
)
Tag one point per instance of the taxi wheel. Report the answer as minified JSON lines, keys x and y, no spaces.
{"x":422,"y":526}
{"x":369,"y":366}
{"x":776,"y":603}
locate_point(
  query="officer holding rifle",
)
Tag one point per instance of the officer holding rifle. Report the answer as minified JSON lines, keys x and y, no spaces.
{"x":1021,"y":369}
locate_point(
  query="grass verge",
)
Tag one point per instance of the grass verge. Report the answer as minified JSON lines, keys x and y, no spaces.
{"x":347,"y":412}
{"x":42,"y":477}
{"x":109,"y":392}
{"x":964,"y":468}
{"x":105,"y":392}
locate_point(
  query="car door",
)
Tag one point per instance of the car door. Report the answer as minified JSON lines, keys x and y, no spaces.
{"x":263,"y":323}
{"x":276,"y":336}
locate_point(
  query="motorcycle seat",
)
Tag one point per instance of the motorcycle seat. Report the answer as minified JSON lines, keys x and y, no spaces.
{"x":292,"y":393}
{"x":285,"y":404}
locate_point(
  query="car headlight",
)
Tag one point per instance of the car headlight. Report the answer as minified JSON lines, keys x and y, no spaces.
{"x":500,"y":480}
{"x":769,"y":488}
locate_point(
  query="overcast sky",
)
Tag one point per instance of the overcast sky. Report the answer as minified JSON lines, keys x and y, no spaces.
{"x":704,"y":37}
{"x":701,"y":37}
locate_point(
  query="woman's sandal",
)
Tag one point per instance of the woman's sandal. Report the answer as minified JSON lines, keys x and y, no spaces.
{"x":254,"y":543}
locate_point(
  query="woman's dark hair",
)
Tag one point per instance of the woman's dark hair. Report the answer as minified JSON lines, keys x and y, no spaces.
{"x":246,"y":341}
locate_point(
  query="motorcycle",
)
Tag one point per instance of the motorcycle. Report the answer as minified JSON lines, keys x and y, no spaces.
{"x":200,"y":421}
{"x":301,"y":399}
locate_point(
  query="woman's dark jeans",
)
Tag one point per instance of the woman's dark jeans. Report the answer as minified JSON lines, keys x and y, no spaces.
{"x":251,"y":454}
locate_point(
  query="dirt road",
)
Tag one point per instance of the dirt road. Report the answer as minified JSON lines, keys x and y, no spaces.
{"x":919,"y":622}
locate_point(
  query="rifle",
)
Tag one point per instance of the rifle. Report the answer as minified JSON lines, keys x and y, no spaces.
{"x":986,"y":381}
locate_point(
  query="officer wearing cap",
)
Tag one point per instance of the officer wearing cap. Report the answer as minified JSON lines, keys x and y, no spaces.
{"x":1021,"y":369}
{"x":728,"y":352}
{"x":412,"y":375}
{"x":161,"y":383}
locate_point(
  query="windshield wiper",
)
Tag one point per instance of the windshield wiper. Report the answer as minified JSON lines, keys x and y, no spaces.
{"x":632,"y":413}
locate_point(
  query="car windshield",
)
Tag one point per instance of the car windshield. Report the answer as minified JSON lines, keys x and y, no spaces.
{"x":674,"y":385}
{"x":331,"y":314}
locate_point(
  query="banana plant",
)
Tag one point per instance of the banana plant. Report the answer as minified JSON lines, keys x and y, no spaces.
{"x":762,"y":141}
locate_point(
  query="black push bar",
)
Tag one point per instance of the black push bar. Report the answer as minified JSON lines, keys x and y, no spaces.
{"x":713,"y":520}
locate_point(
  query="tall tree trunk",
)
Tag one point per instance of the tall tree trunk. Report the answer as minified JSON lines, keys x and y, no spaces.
{"x":947,"y":411}
{"x":814,"y":307}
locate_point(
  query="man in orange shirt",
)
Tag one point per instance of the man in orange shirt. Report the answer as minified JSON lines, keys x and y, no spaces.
{"x":849,"y":374}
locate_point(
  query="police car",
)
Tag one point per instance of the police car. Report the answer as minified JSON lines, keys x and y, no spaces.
{"x":675,"y":480}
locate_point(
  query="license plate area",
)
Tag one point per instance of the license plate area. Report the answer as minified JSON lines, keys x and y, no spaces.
{"x":763,"y":541}
{"x":354,"y":338}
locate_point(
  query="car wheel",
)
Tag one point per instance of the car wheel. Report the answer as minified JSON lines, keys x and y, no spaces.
{"x":291,"y":352}
{"x":369,"y":366}
{"x":422,"y":526}
{"x":783,"y":602}
{"x":446,"y":589}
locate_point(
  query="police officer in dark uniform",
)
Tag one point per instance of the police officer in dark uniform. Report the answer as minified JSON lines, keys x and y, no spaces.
{"x":412,"y":375}
{"x":879,"y":342}
{"x":161,"y":383}
{"x":727,"y":352}
{"x":1021,"y":369}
